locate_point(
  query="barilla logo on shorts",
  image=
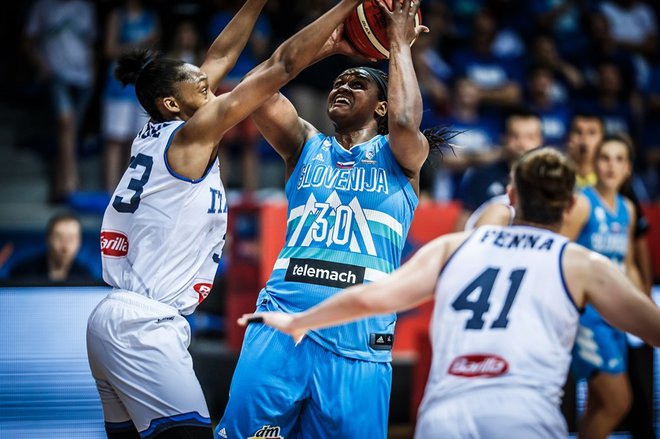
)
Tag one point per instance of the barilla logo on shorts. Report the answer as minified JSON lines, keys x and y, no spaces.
{"x":267,"y":432}
{"x":203,"y":289}
{"x":114,"y":244}
{"x":479,"y":365}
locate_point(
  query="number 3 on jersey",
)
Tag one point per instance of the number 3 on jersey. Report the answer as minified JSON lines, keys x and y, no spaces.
{"x":135,"y":185}
{"x":479,"y":306}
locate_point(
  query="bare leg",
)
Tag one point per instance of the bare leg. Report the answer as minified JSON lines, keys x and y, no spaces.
{"x":608,"y":403}
{"x":66,"y":165}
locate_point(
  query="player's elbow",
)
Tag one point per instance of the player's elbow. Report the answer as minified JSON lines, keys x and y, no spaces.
{"x":285,"y":60}
{"x":366,"y":305}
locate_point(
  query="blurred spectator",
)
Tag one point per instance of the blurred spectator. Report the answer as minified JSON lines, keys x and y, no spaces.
{"x":58,"y":264}
{"x":522,"y":133}
{"x":129,"y":26}
{"x":475,"y":141}
{"x":59,"y":38}
{"x":566,"y":78}
{"x":462,"y":15}
{"x":649,"y":152}
{"x":433,"y":71}
{"x":243,"y":139}
{"x":633,"y":25}
{"x":497,"y":78}
{"x":609,"y":101}
{"x":586,"y":132}
{"x":512,"y":23}
{"x":187,"y":44}
{"x":554,"y":116}
{"x":562,"y":19}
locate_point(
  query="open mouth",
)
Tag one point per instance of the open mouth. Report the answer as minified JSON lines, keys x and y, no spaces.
{"x":342,"y":100}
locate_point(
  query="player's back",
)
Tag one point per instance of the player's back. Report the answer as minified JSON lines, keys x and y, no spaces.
{"x":162,"y":234}
{"x":503,"y":318}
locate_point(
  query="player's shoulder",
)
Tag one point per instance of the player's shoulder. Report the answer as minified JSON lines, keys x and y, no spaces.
{"x":583,"y":259}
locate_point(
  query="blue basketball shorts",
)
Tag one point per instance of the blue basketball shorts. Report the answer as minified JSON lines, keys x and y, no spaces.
{"x":598,"y":347}
{"x":304,"y":391}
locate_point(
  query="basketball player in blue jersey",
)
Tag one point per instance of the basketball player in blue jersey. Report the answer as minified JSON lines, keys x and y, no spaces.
{"x":163,"y":232}
{"x":351,"y":198}
{"x":604,"y":221}
{"x":507,"y":301}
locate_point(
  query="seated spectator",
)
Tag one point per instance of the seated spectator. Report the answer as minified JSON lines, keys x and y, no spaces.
{"x":609,"y":101}
{"x":649,"y":151}
{"x":476,"y":138}
{"x":497,"y":78}
{"x":603,"y":49}
{"x":554,"y":116}
{"x":522,"y":133}
{"x":566,"y":77}
{"x":561,"y":18}
{"x":633,"y":25}
{"x":187,"y":44}
{"x":58,"y":264}
{"x":433,"y":70}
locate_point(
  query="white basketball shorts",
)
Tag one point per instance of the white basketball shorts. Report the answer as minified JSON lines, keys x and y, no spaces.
{"x":496,"y":413}
{"x":138,"y":354}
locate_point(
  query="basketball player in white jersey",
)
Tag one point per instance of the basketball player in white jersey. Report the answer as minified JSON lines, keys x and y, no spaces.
{"x":506,"y":313}
{"x":163,"y":232}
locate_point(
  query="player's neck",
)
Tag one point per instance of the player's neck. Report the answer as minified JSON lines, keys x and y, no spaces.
{"x":551,"y":227}
{"x":349,"y":139}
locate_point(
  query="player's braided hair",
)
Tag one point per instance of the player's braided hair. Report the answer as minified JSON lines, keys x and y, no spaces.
{"x":545,"y":180}
{"x":154,"y":77}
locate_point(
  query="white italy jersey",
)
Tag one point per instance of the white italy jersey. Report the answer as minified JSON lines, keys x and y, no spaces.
{"x":162,"y":234}
{"x":503,"y":318}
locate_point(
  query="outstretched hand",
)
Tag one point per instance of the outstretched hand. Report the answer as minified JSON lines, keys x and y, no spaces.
{"x":401,"y":20}
{"x":278,"y":320}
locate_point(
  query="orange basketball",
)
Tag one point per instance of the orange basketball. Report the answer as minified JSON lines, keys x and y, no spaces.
{"x":366,"y":29}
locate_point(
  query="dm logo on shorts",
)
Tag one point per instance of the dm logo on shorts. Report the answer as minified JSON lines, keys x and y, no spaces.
{"x":267,"y":432}
{"x":114,"y":244}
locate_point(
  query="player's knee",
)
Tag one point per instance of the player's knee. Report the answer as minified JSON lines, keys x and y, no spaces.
{"x":186,"y":432}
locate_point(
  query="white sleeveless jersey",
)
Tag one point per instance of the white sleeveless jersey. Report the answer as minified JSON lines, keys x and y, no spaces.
{"x":162,"y":234}
{"x":503,"y":318}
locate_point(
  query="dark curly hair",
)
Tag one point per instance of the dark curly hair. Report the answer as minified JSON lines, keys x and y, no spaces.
{"x":154,"y":77}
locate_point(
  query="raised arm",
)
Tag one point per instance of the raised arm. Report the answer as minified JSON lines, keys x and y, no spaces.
{"x":404,"y":99}
{"x":593,"y":278}
{"x":226,"y":48}
{"x":405,"y":288}
{"x":278,"y":120}
{"x":194,"y":144}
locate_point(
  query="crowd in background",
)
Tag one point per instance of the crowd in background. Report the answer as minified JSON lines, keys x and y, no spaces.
{"x":482,"y":61}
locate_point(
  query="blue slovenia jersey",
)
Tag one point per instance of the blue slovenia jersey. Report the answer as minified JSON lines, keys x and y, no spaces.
{"x":348,"y":217}
{"x":606,"y":230}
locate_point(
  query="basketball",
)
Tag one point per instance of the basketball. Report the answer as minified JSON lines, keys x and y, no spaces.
{"x":366,"y":29}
